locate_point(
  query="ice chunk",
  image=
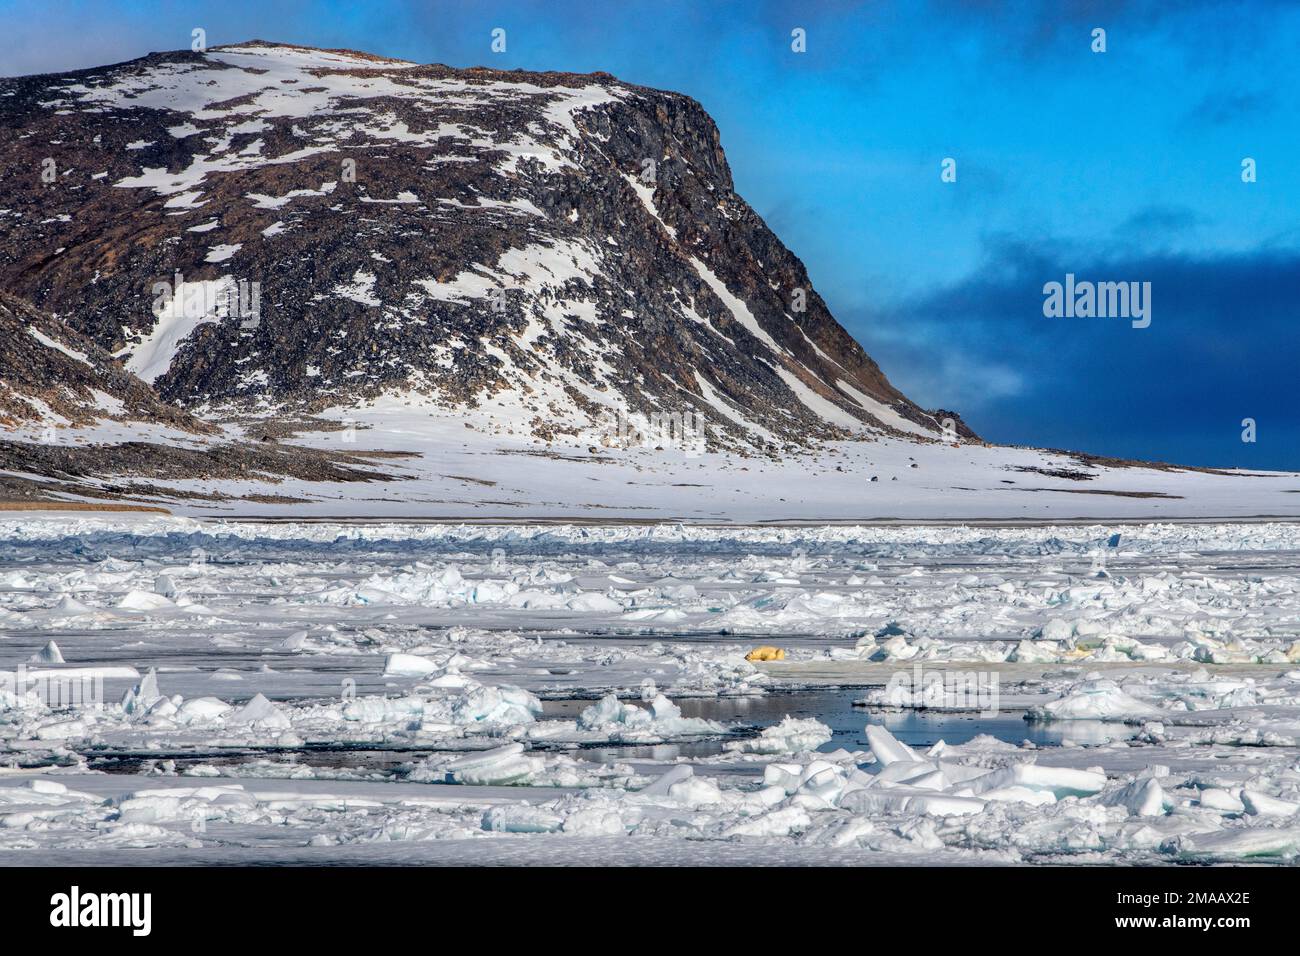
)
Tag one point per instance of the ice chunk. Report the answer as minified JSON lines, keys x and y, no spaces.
{"x":789,"y":736}
{"x":1061,"y":781}
{"x":609,"y":710}
{"x":661,"y":708}
{"x":596,"y":821}
{"x":663,"y":784}
{"x":886,"y":747}
{"x":408,"y":665}
{"x":202,"y":709}
{"x":1035,"y":652}
{"x":823,"y":780}
{"x":1215,"y":798}
{"x":61,"y":730}
{"x":1256,"y":841}
{"x":1262,"y":805}
{"x":1143,"y":798}
{"x":496,"y":705}
{"x":1097,"y":699}
{"x":695,"y":792}
{"x":261,"y":714}
{"x":501,"y":766}
{"x":381,"y":710}
{"x":593,"y":601}
{"x":144,"y":695}
{"x":294,"y":642}
{"x":628,"y":722}
{"x":49,"y":654}
{"x":144,"y":601}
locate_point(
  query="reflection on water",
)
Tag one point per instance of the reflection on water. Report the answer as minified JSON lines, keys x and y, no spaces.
{"x":917,"y":728}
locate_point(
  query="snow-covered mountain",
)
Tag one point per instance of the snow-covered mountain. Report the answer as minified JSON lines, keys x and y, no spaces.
{"x":265,"y":277}
{"x":269,"y":227}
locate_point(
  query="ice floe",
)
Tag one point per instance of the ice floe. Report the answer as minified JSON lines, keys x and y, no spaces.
{"x":358,"y":685}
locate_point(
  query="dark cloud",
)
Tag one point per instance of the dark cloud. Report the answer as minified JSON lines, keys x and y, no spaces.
{"x":1221,"y":347}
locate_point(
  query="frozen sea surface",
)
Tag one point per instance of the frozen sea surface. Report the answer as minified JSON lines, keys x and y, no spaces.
{"x":261,"y":692}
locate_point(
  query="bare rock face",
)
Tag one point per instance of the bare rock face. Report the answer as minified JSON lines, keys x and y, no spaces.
{"x":274,"y":228}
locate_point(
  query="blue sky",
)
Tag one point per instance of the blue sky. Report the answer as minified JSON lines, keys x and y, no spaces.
{"x":1116,"y":166}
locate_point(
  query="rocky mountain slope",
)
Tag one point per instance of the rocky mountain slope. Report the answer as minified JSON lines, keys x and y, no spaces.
{"x":267,"y":229}
{"x":51,"y":374}
{"x":75,"y":423}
